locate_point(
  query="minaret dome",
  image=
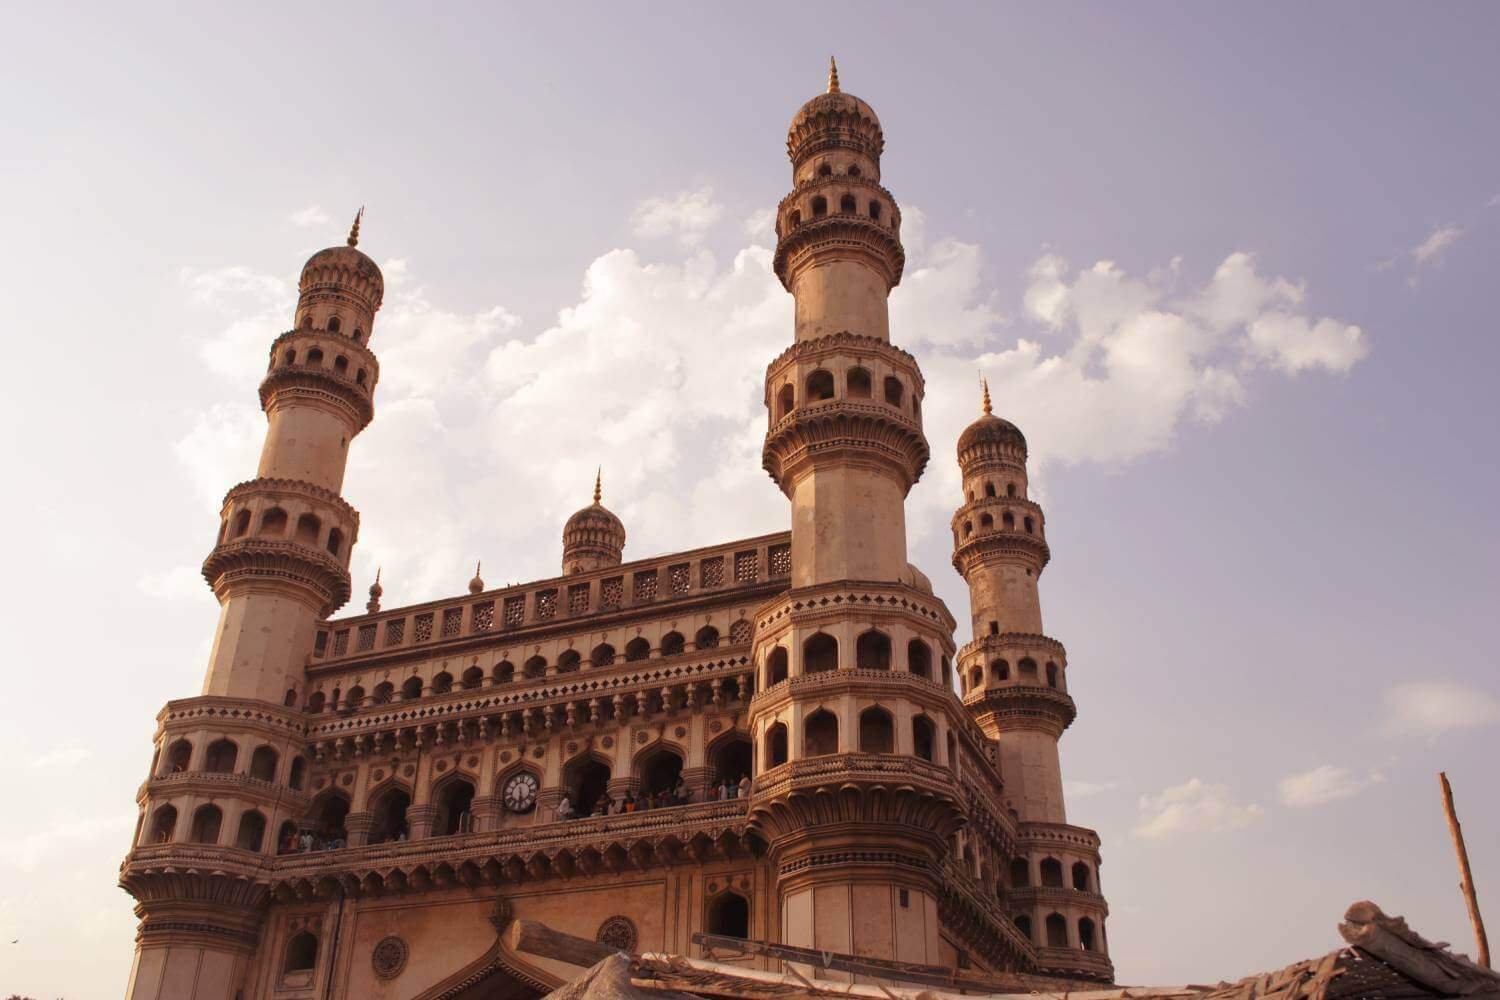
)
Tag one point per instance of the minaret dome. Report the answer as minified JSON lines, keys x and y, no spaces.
{"x":593,"y":537}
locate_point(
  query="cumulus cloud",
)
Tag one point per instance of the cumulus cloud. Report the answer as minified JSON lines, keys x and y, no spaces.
{"x":688,"y":216}
{"x":1432,"y":708}
{"x":1323,"y":784}
{"x":312,"y":215}
{"x":1193,"y":807}
{"x":1437,"y":243}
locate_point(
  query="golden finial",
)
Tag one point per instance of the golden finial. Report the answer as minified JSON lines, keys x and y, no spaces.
{"x":833,"y":75}
{"x":354,"y":229}
{"x":986,"y":383}
{"x":598,"y":479}
{"x":376,"y":590}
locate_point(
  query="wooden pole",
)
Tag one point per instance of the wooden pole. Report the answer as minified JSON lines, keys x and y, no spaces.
{"x":1466,"y":877}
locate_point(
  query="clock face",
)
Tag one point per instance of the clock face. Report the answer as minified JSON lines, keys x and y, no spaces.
{"x":520,"y":792}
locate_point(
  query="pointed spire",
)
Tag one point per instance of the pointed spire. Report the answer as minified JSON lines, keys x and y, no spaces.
{"x":477,"y":584}
{"x":986,"y":383}
{"x":598,"y":480}
{"x":353,"y":240}
{"x":833,"y":75}
{"x":376,"y":590}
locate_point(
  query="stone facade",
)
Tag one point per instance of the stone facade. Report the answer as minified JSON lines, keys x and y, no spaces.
{"x":353,"y":807}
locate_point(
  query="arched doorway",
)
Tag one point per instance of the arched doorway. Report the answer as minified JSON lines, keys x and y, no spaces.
{"x":660,"y":769}
{"x":453,"y":801}
{"x":388,"y":815}
{"x":586,"y":781}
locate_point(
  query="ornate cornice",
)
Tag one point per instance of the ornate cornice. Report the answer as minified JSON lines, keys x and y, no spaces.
{"x":320,"y":386}
{"x":1010,"y":706}
{"x":856,"y":345}
{"x":301,"y":567}
{"x":301,"y":489}
{"x":845,"y":430}
{"x":998,"y":545}
{"x":840,"y":236}
{"x":1010,"y":643}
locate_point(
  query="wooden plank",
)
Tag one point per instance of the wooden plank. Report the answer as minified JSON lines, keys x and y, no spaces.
{"x":535,"y":938}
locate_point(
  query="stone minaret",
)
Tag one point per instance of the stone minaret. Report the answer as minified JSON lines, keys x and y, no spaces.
{"x":229,"y":775}
{"x":594,"y":537}
{"x":854,"y":793}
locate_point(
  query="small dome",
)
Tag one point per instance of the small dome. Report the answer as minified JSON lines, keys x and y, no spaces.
{"x":834,"y":118}
{"x":837,"y":102}
{"x":594,"y":517}
{"x":593,"y":537}
{"x":990,"y":429}
{"x":476,"y":585}
{"x":347,"y":258}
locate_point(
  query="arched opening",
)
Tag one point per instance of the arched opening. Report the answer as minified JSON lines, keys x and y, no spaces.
{"x":1008,"y":521}
{"x":388,"y":816}
{"x":358,"y":335}
{"x":707,"y":638}
{"x":776,"y":746}
{"x":672,"y":644}
{"x":923,"y":737}
{"x":637,"y":649}
{"x":263,"y":763}
{"x":976,"y":678}
{"x":660,"y":769}
{"x":820,"y":386}
{"x":785,"y":400}
{"x":1086,"y":934}
{"x":454,"y":800}
{"x":740,"y":632}
{"x":968,"y":528}
{"x":857,"y":383}
{"x":273,"y":522}
{"x":568,"y":661}
{"x":872,"y":651}
{"x":206,"y":823}
{"x":289,"y":358}
{"x":383,"y":694}
{"x":848,"y":205}
{"x":819,"y":653}
{"x":333,"y":324}
{"x":586,"y":781}
{"x":1020,"y":873}
{"x":989,"y":489}
{"x":1029,"y":525}
{"x":302,"y":952}
{"x":731,"y":759}
{"x":297,"y":775}
{"x":221,"y":757}
{"x":819,"y":207}
{"x":820,"y":734}
{"x":919,"y":658}
{"x":341,"y":364}
{"x":355,"y":698}
{"x":875,"y":210}
{"x":825,"y":170}
{"x":472,"y":678}
{"x":603,"y":655}
{"x":241,"y":523}
{"x":286,"y":838}
{"x":504,"y":672}
{"x":1028,"y":670}
{"x":359,"y":377}
{"x":307,"y":322}
{"x":1052,"y":675}
{"x":411,"y":688}
{"x":315,"y":702}
{"x":776,"y":666}
{"x":796,"y":219}
{"x":1023,"y":924}
{"x":314,"y":358}
{"x":252,"y":831}
{"x":853,"y":170}
{"x":289,"y":699}
{"x":179,"y":755}
{"x":877,"y":733}
{"x":1052,"y":873}
{"x":1081,"y":876}
{"x":442,"y":683}
{"x":1057,"y":931}
{"x":728,"y":916}
{"x":986,"y":521}
{"x":1000,"y":670}
{"x":335,"y":541}
{"x":1010,"y":489}
{"x":947,"y":673}
{"x":328,"y":815}
{"x":163,"y":824}
{"x":895,"y":392}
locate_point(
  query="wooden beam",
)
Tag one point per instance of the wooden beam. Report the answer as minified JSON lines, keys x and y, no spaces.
{"x":1465,"y":876}
{"x":538,"y":939}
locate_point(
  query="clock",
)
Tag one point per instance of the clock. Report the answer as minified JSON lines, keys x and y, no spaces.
{"x":520,"y":791}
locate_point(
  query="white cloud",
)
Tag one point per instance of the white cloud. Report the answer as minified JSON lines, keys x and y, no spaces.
{"x":1193,"y":807}
{"x":62,"y":757}
{"x":760,"y":226}
{"x":312,"y":215}
{"x":27,"y":846}
{"x":1296,"y":343}
{"x":688,"y":216}
{"x":1431,"y":708}
{"x":1086,"y":789}
{"x":1431,"y":250}
{"x":1323,"y":784}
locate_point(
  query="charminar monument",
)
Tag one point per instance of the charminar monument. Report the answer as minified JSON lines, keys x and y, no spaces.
{"x":773,"y":739}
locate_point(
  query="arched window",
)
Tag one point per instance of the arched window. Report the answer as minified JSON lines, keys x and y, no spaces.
{"x":286,"y":838}
{"x":707,"y":638}
{"x":472,"y":678}
{"x":1010,"y":489}
{"x":1008,"y":521}
{"x":442,"y":683}
{"x":848,"y":205}
{"x":388,"y":815}
{"x":1000,"y":670}
{"x":302,"y":952}
{"x":1028,"y":670}
{"x":672,"y":644}
{"x":297,"y":775}
{"x":568,"y":661}
{"x":341,"y":364}
{"x":947,"y":673}
{"x":315,"y":702}
{"x":776,"y":666}
{"x":877,"y":733}
{"x":241,"y":523}
{"x":1029,"y":525}
{"x":825,"y":170}
{"x":290,"y":698}
{"x":359,"y":377}
{"x":179,"y":756}
{"x":1020,"y":873}
{"x":1081,"y":876}
{"x":853,"y":170}
{"x":358,"y":335}
{"x":335,"y":541}
{"x":603,"y":655}
{"x":819,"y":386}
{"x":989,"y":489}
{"x":1052,"y":873}
{"x":820,"y":734}
{"x":273,"y":522}
{"x":263,"y":763}
{"x":328,"y":815}
{"x":504,"y":672}
{"x":1052,"y":675}
{"x":411,"y":688}
{"x":976,"y":678}
{"x":728,"y":916}
{"x":1086,"y":934}
{"x":740,"y":632}
{"x":206,"y":825}
{"x":731,"y":758}
{"x":923,"y":737}
{"x":1023,"y":924}
{"x":875,"y":210}
{"x":819,"y":653}
{"x":383,"y":694}
{"x":968,"y":528}
{"x":776,"y":746}
{"x":289,"y":358}
{"x":163,"y":824}
{"x":919,"y":658}
{"x":586,"y":780}
{"x":659,"y":770}
{"x":355,"y":697}
{"x":221,"y":757}
{"x":986,"y":521}
{"x":785,"y":400}
{"x":314,"y":358}
{"x":637,"y":649}
{"x":796,"y":219}
{"x":454,"y":800}
{"x":252,"y":831}
{"x":1057,"y":931}
{"x":333,"y":324}
{"x":307,"y":322}
{"x":872,"y":651}
{"x":819,"y":206}
{"x":857,"y":383}
{"x":895,"y":392}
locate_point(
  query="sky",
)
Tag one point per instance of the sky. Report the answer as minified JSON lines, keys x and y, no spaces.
{"x":1229,"y":267}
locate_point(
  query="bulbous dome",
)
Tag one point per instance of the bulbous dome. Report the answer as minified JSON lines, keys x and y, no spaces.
{"x":346,"y":266}
{"x":834,"y":120}
{"x":595,"y":517}
{"x":592,"y":538}
{"x":990,"y":429}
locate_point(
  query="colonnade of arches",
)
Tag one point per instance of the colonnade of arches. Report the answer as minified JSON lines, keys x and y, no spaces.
{"x":873,"y":650}
{"x":875,"y":733}
{"x":1055,"y":932}
{"x":859,"y":383}
{"x":222,"y":756}
{"x":275,"y":522}
{"x":1026,"y":672}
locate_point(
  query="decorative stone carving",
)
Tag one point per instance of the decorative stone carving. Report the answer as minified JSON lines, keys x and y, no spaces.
{"x":617,"y":933}
{"x":389,"y":957}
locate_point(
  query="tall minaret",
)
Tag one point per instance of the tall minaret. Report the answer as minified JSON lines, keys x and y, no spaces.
{"x":229,"y":775}
{"x":854,"y":792}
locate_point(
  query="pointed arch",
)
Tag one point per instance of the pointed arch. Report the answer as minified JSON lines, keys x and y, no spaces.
{"x":819,"y":653}
{"x":872,"y":651}
{"x":252,"y":832}
{"x":877,"y":731}
{"x":206,"y":822}
{"x":820,"y":734}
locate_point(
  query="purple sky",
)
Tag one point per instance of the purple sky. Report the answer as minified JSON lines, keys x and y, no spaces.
{"x":1274,"y":536}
